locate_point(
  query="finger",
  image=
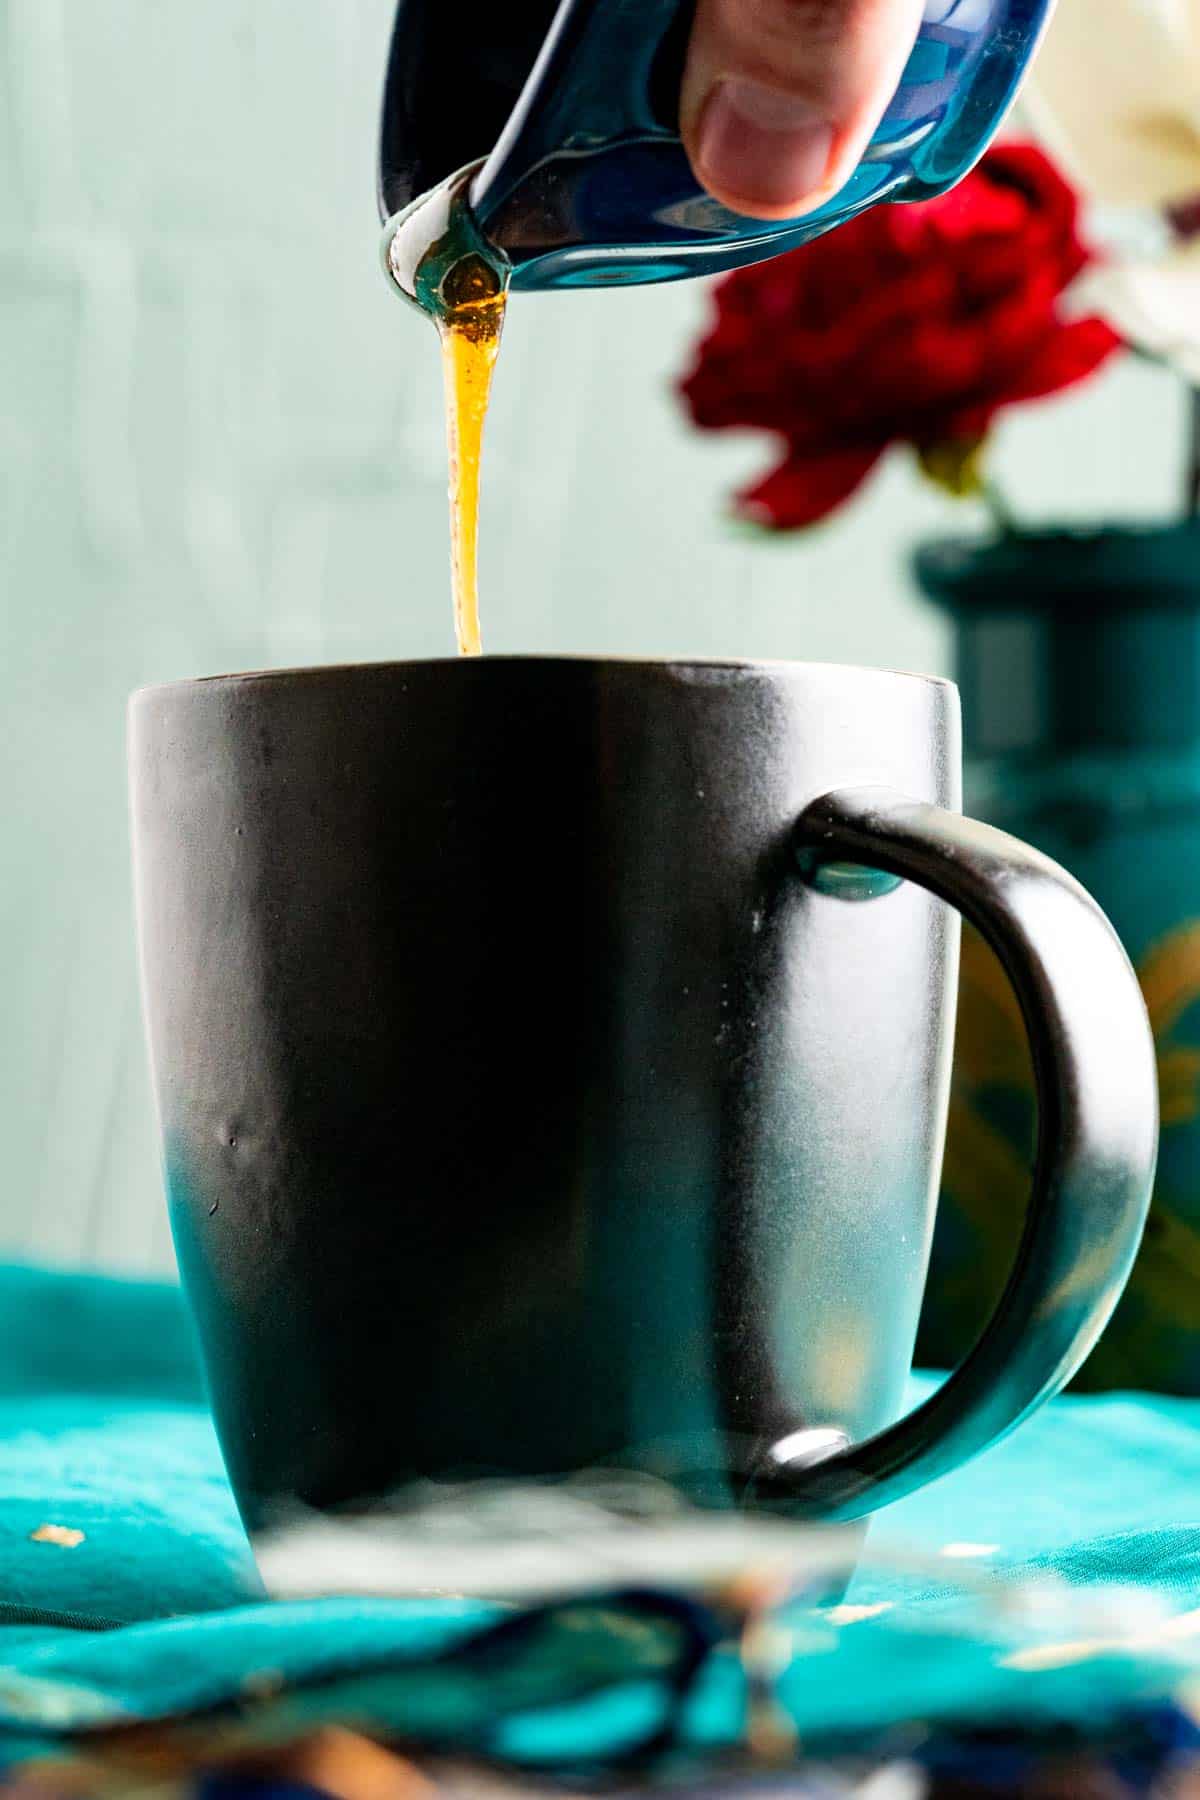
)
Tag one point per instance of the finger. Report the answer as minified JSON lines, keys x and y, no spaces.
{"x":780,"y":97}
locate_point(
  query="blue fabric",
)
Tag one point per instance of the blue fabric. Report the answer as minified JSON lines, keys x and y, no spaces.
{"x":103,"y":1430}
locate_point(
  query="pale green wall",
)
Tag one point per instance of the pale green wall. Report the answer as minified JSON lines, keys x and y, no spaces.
{"x":220,"y":447}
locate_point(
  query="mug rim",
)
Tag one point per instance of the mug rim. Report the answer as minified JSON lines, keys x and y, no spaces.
{"x":303,"y":672}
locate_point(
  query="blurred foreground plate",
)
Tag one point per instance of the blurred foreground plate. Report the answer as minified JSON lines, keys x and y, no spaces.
{"x":531,"y":1542}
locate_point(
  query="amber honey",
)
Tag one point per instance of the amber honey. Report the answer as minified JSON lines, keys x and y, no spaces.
{"x":469,"y":322}
{"x":439,"y":260}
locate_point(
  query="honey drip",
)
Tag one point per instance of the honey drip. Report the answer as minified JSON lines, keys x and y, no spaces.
{"x":469,"y":323}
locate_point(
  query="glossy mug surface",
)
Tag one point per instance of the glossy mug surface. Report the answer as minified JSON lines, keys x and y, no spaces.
{"x":552,"y":1057}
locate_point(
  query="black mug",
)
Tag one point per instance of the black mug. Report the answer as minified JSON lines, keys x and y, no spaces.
{"x":551,"y":1059}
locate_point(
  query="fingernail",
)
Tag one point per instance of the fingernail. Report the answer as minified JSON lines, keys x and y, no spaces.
{"x":768,"y":148}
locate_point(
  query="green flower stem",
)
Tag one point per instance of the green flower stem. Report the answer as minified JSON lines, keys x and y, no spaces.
{"x":1001,"y":514}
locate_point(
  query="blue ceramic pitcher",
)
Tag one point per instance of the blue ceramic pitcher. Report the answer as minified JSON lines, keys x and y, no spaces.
{"x":559,"y":125}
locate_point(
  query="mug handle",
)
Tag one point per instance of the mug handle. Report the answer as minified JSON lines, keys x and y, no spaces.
{"x":1097,"y":1096}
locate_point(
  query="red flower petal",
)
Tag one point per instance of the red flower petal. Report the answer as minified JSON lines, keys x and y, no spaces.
{"x":1071,"y":354}
{"x":803,"y":489}
{"x":900,"y":325}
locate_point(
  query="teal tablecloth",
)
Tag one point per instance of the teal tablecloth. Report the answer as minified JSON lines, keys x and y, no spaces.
{"x":103,"y":1431}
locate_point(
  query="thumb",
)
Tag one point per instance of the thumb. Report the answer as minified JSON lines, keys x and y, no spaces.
{"x":780,"y":97}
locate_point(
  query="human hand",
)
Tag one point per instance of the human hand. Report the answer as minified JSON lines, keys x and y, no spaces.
{"x":780,"y":97}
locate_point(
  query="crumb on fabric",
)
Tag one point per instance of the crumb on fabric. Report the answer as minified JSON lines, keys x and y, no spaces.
{"x":855,"y":1615}
{"x":65,"y":1536}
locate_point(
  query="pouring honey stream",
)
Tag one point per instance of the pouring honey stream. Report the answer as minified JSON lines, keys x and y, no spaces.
{"x":469,"y":328}
{"x":587,"y":182}
{"x":438,"y":261}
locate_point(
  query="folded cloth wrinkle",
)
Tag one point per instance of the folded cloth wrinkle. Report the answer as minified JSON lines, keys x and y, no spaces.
{"x":1057,"y":1579}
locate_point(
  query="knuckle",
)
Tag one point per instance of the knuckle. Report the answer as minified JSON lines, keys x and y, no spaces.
{"x":796,"y":24}
{"x":815,"y":44}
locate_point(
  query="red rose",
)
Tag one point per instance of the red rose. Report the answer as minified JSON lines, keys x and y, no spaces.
{"x":909,"y":324}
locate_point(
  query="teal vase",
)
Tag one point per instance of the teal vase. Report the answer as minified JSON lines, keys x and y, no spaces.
{"x":1078,"y":657}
